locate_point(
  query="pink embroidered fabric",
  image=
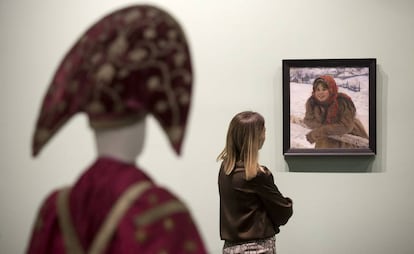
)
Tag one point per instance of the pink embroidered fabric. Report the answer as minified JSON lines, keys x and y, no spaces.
{"x":92,"y":197}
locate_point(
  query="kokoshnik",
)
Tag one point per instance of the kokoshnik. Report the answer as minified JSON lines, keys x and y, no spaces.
{"x":133,"y":62}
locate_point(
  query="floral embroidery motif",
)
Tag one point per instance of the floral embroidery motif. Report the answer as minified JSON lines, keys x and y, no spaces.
{"x":141,"y":236}
{"x":169,"y":224}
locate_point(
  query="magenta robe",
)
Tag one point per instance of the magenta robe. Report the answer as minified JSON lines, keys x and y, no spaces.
{"x":91,"y":199}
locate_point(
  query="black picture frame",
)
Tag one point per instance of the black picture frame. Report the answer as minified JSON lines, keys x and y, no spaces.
{"x":355,"y":78}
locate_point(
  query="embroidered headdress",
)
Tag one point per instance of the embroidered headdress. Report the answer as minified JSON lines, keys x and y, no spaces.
{"x":132,"y":62}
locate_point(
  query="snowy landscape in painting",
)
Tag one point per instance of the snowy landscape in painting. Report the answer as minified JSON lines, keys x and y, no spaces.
{"x":352,"y":81}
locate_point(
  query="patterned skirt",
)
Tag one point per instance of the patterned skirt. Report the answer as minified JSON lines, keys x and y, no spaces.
{"x":265,"y":246}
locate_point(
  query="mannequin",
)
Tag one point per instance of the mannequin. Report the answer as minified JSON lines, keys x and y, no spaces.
{"x":132,"y":63}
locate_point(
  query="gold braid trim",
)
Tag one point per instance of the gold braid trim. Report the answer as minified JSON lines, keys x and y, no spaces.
{"x":160,"y":212}
{"x":70,"y":238}
{"x":115,"y":215}
{"x":115,"y":122}
{"x":101,"y":240}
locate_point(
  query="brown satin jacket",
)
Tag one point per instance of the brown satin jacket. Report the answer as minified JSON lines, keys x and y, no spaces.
{"x":252,"y":209}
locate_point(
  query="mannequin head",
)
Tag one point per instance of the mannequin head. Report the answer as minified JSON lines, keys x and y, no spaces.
{"x":124,"y":143}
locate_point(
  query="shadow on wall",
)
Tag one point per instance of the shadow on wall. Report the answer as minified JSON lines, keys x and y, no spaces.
{"x":331,"y":164}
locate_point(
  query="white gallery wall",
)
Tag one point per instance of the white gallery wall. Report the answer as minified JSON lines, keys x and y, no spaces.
{"x":237,"y":48}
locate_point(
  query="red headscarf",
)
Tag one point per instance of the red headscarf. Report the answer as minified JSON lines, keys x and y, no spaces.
{"x":331,"y":103}
{"x":132,"y":62}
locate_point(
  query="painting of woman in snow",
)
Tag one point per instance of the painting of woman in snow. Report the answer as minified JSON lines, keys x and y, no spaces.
{"x":329,"y":108}
{"x":331,"y":113}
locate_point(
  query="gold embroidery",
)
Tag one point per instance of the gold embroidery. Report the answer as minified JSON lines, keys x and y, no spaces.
{"x":95,"y":107}
{"x":188,"y":79}
{"x":42,"y":135}
{"x":152,"y":199}
{"x":73,"y":87}
{"x":168,"y":224}
{"x":68,"y":66}
{"x":163,"y":252}
{"x":190,"y":246}
{"x":153,"y":83}
{"x":152,"y":13}
{"x":131,"y":16}
{"x":172,"y":34}
{"x":162,"y":37}
{"x":160,"y":212}
{"x":123,"y":73}
{"x":141,"y":236}
{"x":105,"y":73}
{"x":138,"y":55}
{"x":162,"y":43}
{"x":179,"y":59}
{"x":103,"y":37}
{"x":118,"y":47}
{"x":150,"y":33}
{"x":175,"y":133}
{"x":184,"y":98}
{"x":113,"y":123}
{"x":96,"y":58}
{"x":185,"y":75}
{"x":161,"y":106}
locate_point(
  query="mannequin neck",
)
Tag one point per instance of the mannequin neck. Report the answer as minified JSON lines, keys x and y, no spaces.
{"x":124,"y":144}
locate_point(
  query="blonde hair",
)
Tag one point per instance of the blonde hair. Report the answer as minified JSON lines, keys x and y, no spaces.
{"x":244,"y":139}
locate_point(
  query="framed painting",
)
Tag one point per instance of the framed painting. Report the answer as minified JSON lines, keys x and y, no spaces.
{"x":329,"y":107}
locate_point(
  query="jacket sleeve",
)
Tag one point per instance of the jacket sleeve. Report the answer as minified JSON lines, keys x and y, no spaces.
{"x":278,"y":207}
